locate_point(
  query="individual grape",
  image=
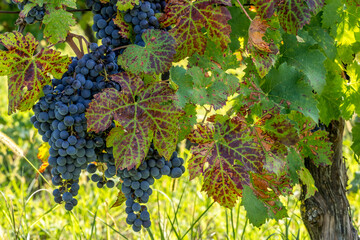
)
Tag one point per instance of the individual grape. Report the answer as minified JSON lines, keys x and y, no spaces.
{"x":69,"y":206}
{"x":110,"y":184}
{"x":176,"y":172}
{"x":91,"y":168}
{"x":135,"y":207}
{"x":144,"y":215}
{"x":145,"y":6}
{"x":136,"y":228}
{"x":67,"y":197}
{"x":146,"y":224}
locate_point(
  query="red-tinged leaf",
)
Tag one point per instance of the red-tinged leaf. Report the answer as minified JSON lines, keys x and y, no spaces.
{"x":43,"y":155}
{"x":268,"y":187}
{"x":42,"y":168}
{"x":125,"y":28}
{"x":124,"y":5}
{"x":293,"y":14}
{"x":313,"y":144}
{"x":156,"y":57}
{"x":119,"y":200}
{"x":225,"y":155}
{"x":263,"y":53}
{"x":28,"y":73}
{"x":190,"y":17}
{"x":145,"y":113}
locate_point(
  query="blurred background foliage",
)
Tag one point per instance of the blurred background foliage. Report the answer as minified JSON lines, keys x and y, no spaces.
{"x":179,"y":210}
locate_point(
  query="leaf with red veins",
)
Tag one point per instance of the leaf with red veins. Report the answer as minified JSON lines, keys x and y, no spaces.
{"x":313,"y":144}
{"x":155,"y":57}
{"x":145,"y":113}
{"x":225,"y":155}
{"x":293,"y":14}
{"x":190,"y":17}
{"x":125,"y":28}
{"x":28,"y":73}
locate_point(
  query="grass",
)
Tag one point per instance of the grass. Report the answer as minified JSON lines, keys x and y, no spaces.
{"x":179,"y":210}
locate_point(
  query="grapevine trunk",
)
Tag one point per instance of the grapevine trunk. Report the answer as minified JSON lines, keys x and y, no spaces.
{"x":326,"y":215}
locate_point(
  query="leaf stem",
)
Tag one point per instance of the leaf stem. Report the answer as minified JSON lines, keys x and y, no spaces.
{"x":114,"y":49}
{"x":242,"y":7}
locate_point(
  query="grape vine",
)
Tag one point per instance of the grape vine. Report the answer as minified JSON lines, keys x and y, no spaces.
{"x":245,"y":94}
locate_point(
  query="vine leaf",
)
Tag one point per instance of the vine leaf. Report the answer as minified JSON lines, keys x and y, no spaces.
{"x":28,"y":73}
{"x":190,"y":17}
{"x":120,"y":199}
{"x":124,"y":5}
{"x":206,"y":80}
{"x":313,"y":144}
{"x":293,"y":14}
{"x":145,"y":113}
{"x":286,"y":85}
{"x":156,"y":57}
{"x":125,"y":28}
{"x":187,"y":121}
{"x":308,"y":180}
{"x":267,"y":188}
{"x":57,"y":24}
{"x":255,"y":209}
{"x":356,"y":139}
{"x":43,"y":155}
{"x":224,"y":156}
{"x":304,"y":58}
{"x":263,"y":53}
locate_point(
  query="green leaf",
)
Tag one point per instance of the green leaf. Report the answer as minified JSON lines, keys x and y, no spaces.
{"x":292,"y":14}
{"x":355,"y":132}
{"x":28,"y":73}
{"x":187,"y":121}
{"x":301,"y":56}
{"x":307,"y":179}
{"x":206,"y":80}
{"x":237,"y":30}
{"x":331,"y":98}
{"x":124,"y":5}
{"x":330,"y":16}
{"x":255,"y":209}
{"x":351,"y":101}
{"x":145,"y":113}
{"x":190,"y":18}
{"x":286,"y":85}
{"x":57,"y":24}
{"x":155,"y":57}
{"x":294,"y":164}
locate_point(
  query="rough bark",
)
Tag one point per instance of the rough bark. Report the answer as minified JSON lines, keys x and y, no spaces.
{"x":326,"y":215}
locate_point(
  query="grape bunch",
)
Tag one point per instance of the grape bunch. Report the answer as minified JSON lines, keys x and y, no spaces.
{"x":60,"y":119}
{"x":36,"y":13}
{"x":137,"y":185}
{"x":104,"y":25}
{"x":142,"y":17}
{"x":106,"y":172}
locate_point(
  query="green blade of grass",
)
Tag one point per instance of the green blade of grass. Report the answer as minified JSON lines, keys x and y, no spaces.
{"x":193,"y":224}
